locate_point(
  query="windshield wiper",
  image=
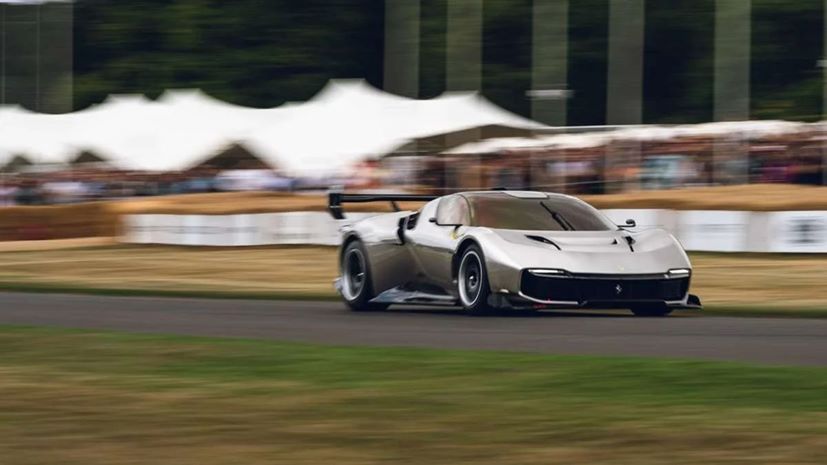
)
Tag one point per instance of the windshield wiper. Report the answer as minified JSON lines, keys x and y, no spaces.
{"x":558,"y":218}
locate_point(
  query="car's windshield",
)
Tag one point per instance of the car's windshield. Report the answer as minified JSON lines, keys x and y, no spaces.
{"x":502,"y":211}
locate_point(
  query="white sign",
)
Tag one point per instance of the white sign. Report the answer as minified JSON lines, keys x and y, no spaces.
{"x":804,"y":231}
{"x":195,"y":230}
{"x":717,"y":231}
{"x":714,"y":231}
{"x":236,"y":230}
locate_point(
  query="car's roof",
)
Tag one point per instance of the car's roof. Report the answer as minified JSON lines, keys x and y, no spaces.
{"x":513,"y":193}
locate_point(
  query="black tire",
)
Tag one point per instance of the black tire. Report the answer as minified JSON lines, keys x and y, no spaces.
{"x":356,"y":279}
{"x":653,"y":310}
{"x":472,"y":282}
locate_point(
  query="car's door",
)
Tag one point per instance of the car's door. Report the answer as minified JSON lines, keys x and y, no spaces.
{"x":435,"y":237}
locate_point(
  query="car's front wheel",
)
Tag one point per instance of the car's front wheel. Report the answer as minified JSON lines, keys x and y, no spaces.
{"x":472,"y":282}
{"x":356,"y":279}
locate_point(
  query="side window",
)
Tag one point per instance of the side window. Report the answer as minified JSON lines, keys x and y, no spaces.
{"x":453,"y":210}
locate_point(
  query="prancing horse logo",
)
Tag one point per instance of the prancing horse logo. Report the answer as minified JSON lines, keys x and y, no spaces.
{"x":619,"y":289}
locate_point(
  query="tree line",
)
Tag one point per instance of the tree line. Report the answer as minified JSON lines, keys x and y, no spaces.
{"x":262,"y":53}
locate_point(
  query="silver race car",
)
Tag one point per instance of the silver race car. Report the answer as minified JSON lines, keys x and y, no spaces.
{"x":493,"y":250}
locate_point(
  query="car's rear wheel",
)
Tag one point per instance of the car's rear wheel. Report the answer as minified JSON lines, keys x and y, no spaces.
{"x":356,"y":279}
{"x":651,"y":310}
{"x":472,"y":282}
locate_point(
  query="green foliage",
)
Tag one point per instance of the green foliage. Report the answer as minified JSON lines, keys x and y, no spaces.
{"x":519,"y":375}
{"x":249,"y":52}
{"x":263,"y":53}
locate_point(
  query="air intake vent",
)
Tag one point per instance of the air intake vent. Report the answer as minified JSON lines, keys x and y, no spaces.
{"x":544,"y":240}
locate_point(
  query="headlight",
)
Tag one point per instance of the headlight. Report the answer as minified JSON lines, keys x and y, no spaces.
{"x":547,"y":272}
{"x":679,"y":273}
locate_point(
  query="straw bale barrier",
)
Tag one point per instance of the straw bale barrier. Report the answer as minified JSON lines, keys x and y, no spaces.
{"x":57,"y":222}
{"x":101,"y":219}
{"x":756,"y":197}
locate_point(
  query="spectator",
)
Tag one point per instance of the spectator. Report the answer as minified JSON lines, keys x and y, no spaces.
{"x":8,"y":193}
{"x":29,"y":193}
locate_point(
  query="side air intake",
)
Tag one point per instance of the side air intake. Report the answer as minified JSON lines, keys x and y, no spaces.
{"x":544,"y":240}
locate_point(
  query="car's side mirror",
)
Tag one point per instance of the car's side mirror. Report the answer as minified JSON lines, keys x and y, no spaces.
{"x":630,"y":223}
{"x":434,"y":221}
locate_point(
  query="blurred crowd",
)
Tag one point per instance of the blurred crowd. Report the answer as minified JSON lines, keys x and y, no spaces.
{"x":573,"y":171}
{"x":80,"y":185}
{"x":633,"y":166}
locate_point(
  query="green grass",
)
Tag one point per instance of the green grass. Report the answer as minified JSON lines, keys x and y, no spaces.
{"x":79,"y":397}
{"x":729,"y":284}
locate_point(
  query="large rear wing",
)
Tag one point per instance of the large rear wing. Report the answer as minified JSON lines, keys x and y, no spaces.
{"x":336,"y":199}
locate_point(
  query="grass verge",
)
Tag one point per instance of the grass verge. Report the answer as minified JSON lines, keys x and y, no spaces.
{"x":79,"y":397}
{"x":729,"y":284}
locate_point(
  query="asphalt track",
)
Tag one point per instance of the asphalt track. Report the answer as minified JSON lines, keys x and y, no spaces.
{"x":761,"y":340}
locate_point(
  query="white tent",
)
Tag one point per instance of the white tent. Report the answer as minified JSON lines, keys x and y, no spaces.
{"x":346,"y":122}
{"x":495,"y":145}
{"x":172,"y":133}
{"x":349,"y":121}
{"x":736,"y":129}
{"x":121,"y":127}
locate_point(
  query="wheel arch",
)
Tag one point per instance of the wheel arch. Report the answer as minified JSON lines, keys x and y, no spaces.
{"x":346,"y":241}
{"x":461,"y":247}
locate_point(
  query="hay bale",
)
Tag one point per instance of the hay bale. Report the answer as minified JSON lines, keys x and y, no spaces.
{"x":102,"y":219}
{"x":56,"y":222}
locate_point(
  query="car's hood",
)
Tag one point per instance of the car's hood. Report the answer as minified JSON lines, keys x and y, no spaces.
{"x":620,"y":251}
{"x":585,"y":241}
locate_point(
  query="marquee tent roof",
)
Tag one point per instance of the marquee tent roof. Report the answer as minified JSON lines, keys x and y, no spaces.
{"x":346,"y":122}
{"x":349,"y":121}
{"x":583,"y":140}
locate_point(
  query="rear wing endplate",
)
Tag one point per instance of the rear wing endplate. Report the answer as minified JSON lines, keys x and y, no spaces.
{"x":336,"y":199}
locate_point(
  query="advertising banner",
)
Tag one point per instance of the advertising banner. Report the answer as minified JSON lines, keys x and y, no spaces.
{"x":804,"y":231}
{"x":706,"y":230}
{"x":714,"y":231}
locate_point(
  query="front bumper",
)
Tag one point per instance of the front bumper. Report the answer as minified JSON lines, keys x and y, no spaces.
{"x":606,"y":290}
